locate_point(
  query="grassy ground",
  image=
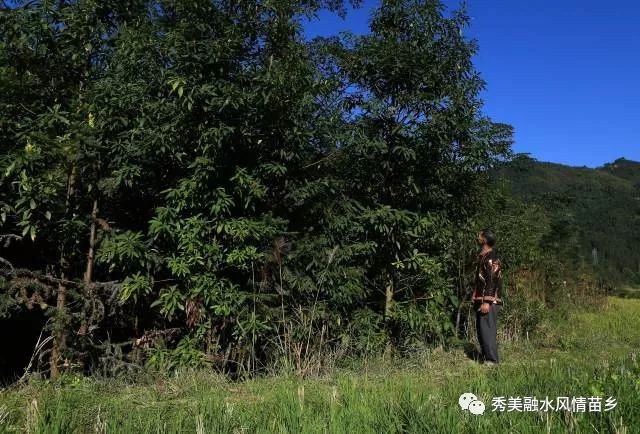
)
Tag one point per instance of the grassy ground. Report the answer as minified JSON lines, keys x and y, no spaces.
{"x":591,"y":354}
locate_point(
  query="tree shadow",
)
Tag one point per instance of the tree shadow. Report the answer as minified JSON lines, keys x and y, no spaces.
{"x":472,"y":352}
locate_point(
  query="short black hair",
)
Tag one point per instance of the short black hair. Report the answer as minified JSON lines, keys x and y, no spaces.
{"x":489,"y":236}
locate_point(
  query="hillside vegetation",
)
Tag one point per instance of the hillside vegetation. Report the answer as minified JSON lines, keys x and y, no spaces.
{"x":601,"y":206}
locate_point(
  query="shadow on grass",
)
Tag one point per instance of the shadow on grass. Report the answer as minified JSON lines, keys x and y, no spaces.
{"x":472,"y":352}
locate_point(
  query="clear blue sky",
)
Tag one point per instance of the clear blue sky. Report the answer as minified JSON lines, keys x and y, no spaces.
{"x":564,"y":73}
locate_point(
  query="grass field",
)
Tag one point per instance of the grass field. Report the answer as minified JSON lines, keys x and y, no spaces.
{"x":593,"y":354}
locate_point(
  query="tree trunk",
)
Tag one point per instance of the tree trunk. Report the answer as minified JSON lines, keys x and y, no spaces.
{"x":88,"y":274}
{"x":388,"y":298}
{"x":58,"y":333}
{"x":60,"y":320}
{"x":388,"y":292}
{"x":88,"y":287}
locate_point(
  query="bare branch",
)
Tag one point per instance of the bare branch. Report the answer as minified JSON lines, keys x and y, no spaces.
{"x":46,"y":278}
{"x":4,"y":261}
{"x":8,"y":238}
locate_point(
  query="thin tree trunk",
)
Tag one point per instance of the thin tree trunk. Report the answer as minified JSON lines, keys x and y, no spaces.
{"x":388,"y":297}
{"x":58,"y":334}
{"x":88,"y":288}
{"x":59,"y":324}
{"x":387,"y":311}
{"x":462,"y":294}
{"x":88,"y":274}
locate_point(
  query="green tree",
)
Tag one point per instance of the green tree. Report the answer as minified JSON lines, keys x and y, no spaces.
{"x":416,"y":152}
{"x":195,"y":177}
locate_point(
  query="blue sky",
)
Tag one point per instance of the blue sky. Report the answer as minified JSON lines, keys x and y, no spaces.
{"x":564,"y":73}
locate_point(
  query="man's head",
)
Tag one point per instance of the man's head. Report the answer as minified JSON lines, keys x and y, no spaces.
{"x":486,"y":237}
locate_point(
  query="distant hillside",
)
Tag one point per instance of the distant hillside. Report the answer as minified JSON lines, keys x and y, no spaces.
{"x":603,"y":203}
{"x":625,"y":169}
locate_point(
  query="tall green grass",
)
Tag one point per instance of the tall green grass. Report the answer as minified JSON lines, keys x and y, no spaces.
{"x":591,"y":353}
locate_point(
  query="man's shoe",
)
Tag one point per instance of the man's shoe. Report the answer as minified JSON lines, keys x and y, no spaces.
{"x":490,"y":363}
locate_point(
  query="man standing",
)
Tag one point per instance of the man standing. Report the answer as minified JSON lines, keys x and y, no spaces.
{"x":486,"y":296}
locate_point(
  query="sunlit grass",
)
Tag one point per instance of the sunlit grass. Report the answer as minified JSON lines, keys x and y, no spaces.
{"x":591,"y":354}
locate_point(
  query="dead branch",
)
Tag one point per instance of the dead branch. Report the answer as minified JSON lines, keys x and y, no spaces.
{"x":4,"y":261}
{"x":47,"y":278}
{"x":8,"y":237}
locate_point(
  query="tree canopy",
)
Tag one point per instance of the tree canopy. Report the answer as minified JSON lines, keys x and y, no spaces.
{"x":192,"y":182}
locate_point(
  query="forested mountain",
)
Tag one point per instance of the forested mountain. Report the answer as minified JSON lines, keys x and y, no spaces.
{"x":601,"y":205}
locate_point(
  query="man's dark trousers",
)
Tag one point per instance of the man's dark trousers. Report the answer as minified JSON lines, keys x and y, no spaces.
{"x":486,"y":327}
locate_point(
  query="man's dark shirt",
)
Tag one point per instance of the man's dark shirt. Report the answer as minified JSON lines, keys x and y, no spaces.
{"x":488,"y":279}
